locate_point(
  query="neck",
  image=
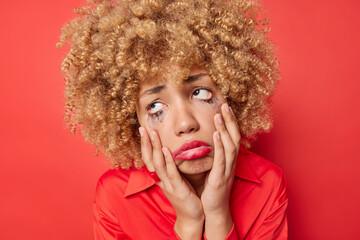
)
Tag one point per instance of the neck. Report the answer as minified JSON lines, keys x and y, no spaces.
{"x":197,"y":181}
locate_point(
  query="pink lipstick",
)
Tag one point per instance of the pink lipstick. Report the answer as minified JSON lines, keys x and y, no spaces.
{"x":192,"y":150}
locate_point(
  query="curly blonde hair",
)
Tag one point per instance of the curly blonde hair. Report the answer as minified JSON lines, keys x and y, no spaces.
{"x":117,"y":45}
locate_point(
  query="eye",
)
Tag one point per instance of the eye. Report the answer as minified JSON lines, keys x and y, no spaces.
{"x":202,"y":94}
{"x":155,"y":107}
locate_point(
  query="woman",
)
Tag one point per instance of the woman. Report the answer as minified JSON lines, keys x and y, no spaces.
{"x":166,"y":89}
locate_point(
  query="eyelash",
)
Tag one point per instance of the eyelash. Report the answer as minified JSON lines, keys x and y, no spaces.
{"x":158,"y":113}
{"x":209,"y":100}
{"x":207,"y":89}
{"x":155,"y":114}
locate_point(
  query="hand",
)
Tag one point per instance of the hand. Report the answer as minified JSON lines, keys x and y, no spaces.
{"x":179,"y":192}
{"x":215,"y":197}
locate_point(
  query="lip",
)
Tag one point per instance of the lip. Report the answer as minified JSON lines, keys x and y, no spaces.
{"x":192,"y":150}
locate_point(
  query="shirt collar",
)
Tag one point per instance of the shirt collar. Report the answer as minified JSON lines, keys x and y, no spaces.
{"x":244,"y":169}
{"x":139,"y":179}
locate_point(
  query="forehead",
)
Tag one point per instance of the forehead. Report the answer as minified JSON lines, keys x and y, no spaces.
{"x":172,"y":75}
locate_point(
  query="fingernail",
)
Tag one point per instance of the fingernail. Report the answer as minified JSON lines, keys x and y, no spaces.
{"x":219,"y":118}
{"x":231,"y":111}
{"x":227,"y":108}
{"x":152,"y":136}
{"x":141,"y":132}
{"x":164,"y":151}
{"x":217,"y":135}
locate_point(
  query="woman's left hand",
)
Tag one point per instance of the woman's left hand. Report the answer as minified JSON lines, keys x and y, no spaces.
{"x":215,"y":197}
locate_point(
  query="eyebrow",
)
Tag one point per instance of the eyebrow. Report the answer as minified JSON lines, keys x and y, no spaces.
{"x":154,"y":90}
{"x":159,"y":88}
{"x":193,"y":78}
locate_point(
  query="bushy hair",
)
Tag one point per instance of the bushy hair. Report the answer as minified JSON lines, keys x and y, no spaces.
{"x":117,"y":45}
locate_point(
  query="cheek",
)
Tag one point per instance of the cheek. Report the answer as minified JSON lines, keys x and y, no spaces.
{"x":210,"y":108}
{"x":216,"y":105}
{"x":207,"y":112}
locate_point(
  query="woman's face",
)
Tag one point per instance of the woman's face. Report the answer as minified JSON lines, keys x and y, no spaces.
{"x":183,"y":117}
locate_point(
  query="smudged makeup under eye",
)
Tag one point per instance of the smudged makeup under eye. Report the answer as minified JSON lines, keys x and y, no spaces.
{"x":155,"y":109}
{"x":156,"y":112}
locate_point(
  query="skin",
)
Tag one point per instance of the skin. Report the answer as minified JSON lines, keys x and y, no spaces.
{"x":171,"y":115}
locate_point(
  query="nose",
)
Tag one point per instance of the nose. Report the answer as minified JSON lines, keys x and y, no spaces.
{"x":185,"y":120}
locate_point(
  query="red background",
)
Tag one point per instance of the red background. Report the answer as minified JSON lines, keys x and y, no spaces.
{"x":48,"y":176}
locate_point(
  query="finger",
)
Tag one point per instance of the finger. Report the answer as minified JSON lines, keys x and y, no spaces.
{"x":172,"y":171}
{"x":231,"y":124}
{"x":146,"y":149}
{"x":232,"y":127}
{"x":158,"y":157}
{"x":219,"y":163}
{"x":229,"y":146}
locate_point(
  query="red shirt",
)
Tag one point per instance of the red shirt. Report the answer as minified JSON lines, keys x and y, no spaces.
{"x":130,"y":205}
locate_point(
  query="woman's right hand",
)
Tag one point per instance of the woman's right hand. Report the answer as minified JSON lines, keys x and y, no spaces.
{"x":188,"y":207}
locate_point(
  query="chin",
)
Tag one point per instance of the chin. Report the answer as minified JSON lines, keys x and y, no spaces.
{"x":195,"y":166}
